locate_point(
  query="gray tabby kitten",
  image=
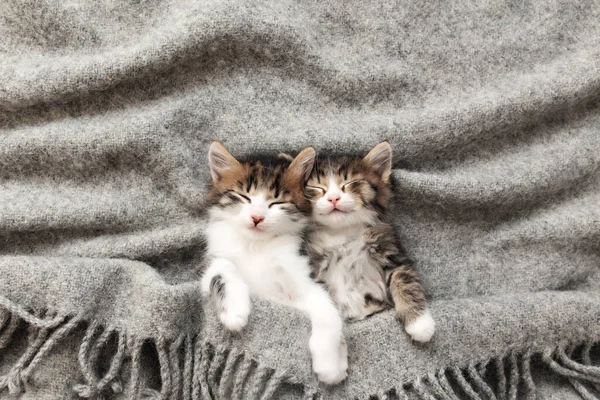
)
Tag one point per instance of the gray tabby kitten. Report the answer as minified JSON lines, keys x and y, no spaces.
{"x":353,"y":247}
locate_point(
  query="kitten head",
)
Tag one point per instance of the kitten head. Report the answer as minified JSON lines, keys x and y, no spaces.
{"x":261,"y":198}
{"x":349,"y":191}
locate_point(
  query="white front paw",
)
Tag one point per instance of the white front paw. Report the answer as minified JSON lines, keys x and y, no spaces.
{"x":234,"y":315}
{"x":329,"y":371}
{"x":233,"y":321}
{"x":206,"y":283}
{"x":330,"y":360}
{"x":422,"y":328}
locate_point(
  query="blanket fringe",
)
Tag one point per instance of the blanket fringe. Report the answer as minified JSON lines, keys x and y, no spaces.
{"x":505,"y":378}
{"x":193,"y":369}
{"x":45,"y":330}
{"x":189,"y":367}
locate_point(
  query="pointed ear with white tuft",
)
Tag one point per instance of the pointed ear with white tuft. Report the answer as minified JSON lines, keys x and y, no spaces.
{"x":220,"y":161}
{"x":302,"y":165}
{"x":379,"y":160}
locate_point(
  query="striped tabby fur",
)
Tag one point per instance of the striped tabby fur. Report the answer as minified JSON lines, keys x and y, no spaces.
{"x":354,"y":249}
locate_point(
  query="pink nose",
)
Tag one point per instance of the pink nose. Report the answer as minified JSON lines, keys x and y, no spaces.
{"x":333,"y":198}
{"x":257,"y":219}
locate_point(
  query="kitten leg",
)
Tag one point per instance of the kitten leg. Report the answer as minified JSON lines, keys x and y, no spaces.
{"x":410,"y":304}
{"x":327,"y":344}
{"x":229,"y":293}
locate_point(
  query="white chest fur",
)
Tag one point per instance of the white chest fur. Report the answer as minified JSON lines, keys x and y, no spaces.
{"x":271,"y":267}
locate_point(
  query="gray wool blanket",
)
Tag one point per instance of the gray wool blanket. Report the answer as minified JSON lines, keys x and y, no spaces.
{"x":107,"y":109}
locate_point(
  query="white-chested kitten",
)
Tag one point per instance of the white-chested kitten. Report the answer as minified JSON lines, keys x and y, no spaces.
{"x":354,"y":249}
{"x":257,"y":215}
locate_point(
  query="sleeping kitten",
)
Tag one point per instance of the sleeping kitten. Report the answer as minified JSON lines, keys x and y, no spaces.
{"x":257,"y":215}
{"x":353,"y":246}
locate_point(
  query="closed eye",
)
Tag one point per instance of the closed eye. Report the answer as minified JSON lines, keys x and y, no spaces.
{"x":348,"y":184}
{"x":277,"y":203}
{"x":241,"y":195}
{"x":317,"y":188}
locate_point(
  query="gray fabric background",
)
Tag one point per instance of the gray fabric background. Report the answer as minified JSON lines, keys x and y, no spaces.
{"x":492,"y":108}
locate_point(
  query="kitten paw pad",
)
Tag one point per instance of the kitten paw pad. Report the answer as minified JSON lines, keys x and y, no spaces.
{"x":422,"y":328}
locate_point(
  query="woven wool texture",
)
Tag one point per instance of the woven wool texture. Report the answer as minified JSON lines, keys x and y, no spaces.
{"x":106,"y":113}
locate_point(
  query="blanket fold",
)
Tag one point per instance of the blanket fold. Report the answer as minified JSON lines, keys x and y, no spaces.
{"x":106,"y":113}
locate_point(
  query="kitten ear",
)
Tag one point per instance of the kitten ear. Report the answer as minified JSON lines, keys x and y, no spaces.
{"x":302,"y":165}
{"x":220,"y":161}
{"x":379,"y":160}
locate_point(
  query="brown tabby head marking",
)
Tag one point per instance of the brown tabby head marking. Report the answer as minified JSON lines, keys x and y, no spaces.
{"x":346,"y":191}
{"x":262,"y":197}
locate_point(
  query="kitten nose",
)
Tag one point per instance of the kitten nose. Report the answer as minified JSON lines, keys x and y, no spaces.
{"x":333,"y":198}
{"x":257,"y":219}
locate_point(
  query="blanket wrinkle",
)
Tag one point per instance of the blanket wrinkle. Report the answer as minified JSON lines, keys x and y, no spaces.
{"x":107,"y":110}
